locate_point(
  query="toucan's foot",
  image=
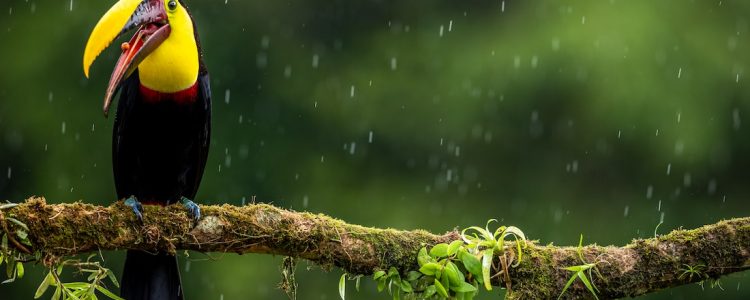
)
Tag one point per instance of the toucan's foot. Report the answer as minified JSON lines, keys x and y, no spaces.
{"x":193,"y":210}
{"x":136,"y":206}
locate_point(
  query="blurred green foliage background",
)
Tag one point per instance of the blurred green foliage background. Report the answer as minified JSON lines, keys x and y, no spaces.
{"x":559,"y":117}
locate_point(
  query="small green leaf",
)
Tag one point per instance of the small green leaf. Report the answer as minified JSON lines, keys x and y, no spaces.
{"x":471,"y":263}
{"x":10,"y":266}
{"x":430,"y":269}
{"x":19,"y":223}
{"x":22,"y":234}
{"x":378,"y":275}
{"x":44,"y":285}
{"x":440,"y":250}
{"x":57,"y":294}
{"x":455,"y":277}
{"x":78,"y":285}
{"x":413,"y":275}
{"x":392,"y":272}
{"x":342,"y":286}
{"x":587,"y":283}
{"x":486,"y":267}
{"x":406,"y":287}
{"x":423,"y":257}
{"x":429,"y":291}
{"x":440,"y":289}
{"x":107,"y":293}
{"x":567,"y":285}
{"x":381,"y":284}
{"x":453,"y":247}
{"x":464,"y":287}
{"x":19,"y":269}
{"x":451,"y":275}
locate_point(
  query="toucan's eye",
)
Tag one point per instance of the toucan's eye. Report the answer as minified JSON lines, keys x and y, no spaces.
{"x":172,"y":5}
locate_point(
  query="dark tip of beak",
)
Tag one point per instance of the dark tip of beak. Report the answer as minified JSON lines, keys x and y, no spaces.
{"x":149,"y":11}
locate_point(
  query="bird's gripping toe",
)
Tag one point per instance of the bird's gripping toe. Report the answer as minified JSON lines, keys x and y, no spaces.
{"x":193,"y":210}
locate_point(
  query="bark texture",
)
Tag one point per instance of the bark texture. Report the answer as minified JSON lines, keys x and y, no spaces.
{"x":643,"y":266}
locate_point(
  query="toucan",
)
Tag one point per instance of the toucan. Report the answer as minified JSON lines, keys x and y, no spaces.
{"x":162,"y":127}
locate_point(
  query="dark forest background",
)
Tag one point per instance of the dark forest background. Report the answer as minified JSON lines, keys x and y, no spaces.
{"x":563,"y":118}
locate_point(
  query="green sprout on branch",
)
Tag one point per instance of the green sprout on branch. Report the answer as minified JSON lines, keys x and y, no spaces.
{"x":580,"y":273}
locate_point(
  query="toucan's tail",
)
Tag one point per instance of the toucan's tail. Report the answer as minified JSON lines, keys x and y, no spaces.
{"x":150,"y":277}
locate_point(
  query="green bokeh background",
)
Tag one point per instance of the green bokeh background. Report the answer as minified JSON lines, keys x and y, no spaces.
{"x":559,"y":117}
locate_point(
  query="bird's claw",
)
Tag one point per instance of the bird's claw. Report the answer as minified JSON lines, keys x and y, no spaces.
{"x":136,"y":206}
{"x":193,"y":210}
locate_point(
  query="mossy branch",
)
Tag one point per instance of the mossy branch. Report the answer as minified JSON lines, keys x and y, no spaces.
{"x":638,"y":268}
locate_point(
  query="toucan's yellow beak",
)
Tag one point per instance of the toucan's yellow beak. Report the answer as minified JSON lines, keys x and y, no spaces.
{"x":107,"y":30}
{"x":149,"y":16}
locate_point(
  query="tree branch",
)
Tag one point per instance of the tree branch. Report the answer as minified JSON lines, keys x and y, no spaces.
{"x":640,"y":267}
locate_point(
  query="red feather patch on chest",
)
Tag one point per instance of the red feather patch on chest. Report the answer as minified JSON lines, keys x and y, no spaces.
{"x":185,"y":96}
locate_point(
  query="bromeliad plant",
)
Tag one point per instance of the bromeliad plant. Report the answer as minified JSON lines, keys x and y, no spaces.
{"x":16,"y":234}
{"x":456,"y":270}
{"x":79,"y":290}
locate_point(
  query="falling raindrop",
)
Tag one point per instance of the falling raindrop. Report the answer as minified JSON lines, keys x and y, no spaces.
{"x":351,"y":92}
{"x":9,"y":172}
{"x":679,"y":73}
{"x":679,"y":147}
{"x":583,"y":20}
{"x":394,"y":63}
{"x":627,"y":211}
{"x":711,"y":187}
{"x":315,"y":60}
{"x":305,"y":201}
{"x":187,"y":265}
{"x":669,"y":168}
{"x":450,"y":25}
{"x":369,"y":138}
{"x":619,"y":134}
{"x":679,"y":117}
{"x":352,"y":148}
{"x":658,"y":207}
{"x":502,"y":6}
{"x":649,"y":191}
{"x":63,"y":128}
{"x":441,"y":30}
{"x":227,"y":95}
{"x":287,"y":71}
{"x":261,"y":60}
{"x":71,"y":5}
{"x":555,"y":44}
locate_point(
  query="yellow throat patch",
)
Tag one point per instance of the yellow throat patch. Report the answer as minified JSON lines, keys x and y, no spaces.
{"x":174,"y":65}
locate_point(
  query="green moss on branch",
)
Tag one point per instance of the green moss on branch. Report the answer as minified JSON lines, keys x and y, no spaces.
{"x":643,"y":266}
